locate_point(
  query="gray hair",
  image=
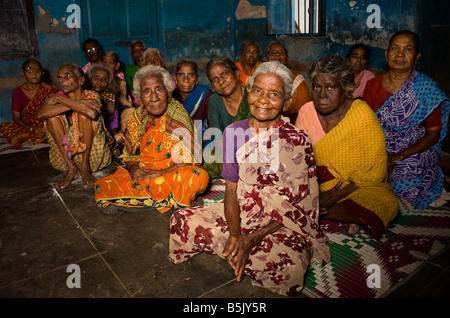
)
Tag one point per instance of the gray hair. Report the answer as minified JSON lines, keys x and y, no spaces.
{"x":244,"y":45}
{"x":148,"y":71}
{"x":337,"y":67}
{"x":192,"y":63}
{"x":278,"y":69}
{"x":77,"y":70}
{"x":135,"y":42}
{"x":154,"y":50}
{"x":112,"y":84}
{"x":111,"y":54}
{"x":221,"y":60}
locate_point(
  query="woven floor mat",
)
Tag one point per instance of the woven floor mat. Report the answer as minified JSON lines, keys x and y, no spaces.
{"x":362,"y":267}
{"x":6,"y":148}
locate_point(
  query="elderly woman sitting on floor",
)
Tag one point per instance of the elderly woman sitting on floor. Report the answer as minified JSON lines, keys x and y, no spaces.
{"x":267,"y":226}
{"x":159,"y":153}
{"x":349,"y":149}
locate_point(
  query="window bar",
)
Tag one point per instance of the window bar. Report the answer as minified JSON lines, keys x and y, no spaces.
{"x":296,"y":18}
{"x":306,"y":15}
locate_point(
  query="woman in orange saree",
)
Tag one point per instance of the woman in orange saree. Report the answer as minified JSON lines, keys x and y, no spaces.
{"x":26,"y":100}
{"x":159,"y":153}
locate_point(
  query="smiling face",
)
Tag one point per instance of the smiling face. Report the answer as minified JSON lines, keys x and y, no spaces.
{"x":68,"y":80}
{"x":402,"y":53}
{"x":277,"y":53}
{"x":99,"y":80}
{"x":327,"y":93}
{"x":224,"y":80}
{"x":186,"y":79}
{"x":154,"y":96}
{"x":266,"y":99}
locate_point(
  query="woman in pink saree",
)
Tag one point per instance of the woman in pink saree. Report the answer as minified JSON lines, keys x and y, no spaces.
{"x":267,"y":227}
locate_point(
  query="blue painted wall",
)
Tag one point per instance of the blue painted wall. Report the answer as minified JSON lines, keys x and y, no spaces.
{"x":202,"y":29}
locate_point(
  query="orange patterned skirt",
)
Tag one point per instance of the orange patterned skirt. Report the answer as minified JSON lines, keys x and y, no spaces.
{"x":177,"y":188}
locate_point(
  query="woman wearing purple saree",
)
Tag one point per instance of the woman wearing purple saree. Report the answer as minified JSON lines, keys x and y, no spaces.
{"x":413,"y":112}
{"x":268,"y":225}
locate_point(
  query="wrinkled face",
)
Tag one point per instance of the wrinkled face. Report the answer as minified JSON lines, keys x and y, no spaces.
{"x":136,"y":51}
{"x":33,"y":72}
{"x":327,"y":93}
{"x":154,"y":95}
{"x":153,"y":59}
{"x":266,"y":98}
{"x":224,"y":80}
{"x":402,"y":54}
{"x":251,"y":54}
{"x":92,"y":52}
{"x":68,"y":80}
{"x":277,"y":53}
{"x":111,"y":62}
{"x":186,"y":78}
{"x":99,"y":80}
{"x":358,"y":59}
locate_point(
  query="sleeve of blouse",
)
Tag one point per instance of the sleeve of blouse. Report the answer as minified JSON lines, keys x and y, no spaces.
{"x":213,"y":113}
{"x":434,"y":120}
{"x":17,"y":103}
{"x":230,"y":171}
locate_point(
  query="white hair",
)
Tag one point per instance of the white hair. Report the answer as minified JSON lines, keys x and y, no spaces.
{"x":151,"y":70}
{"x":278,"y":69}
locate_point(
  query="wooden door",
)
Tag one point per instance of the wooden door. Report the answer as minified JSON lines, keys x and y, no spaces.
{"x":117,"y":23}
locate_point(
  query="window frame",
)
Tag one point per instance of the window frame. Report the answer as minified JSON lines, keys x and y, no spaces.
{"x":281,"y":20}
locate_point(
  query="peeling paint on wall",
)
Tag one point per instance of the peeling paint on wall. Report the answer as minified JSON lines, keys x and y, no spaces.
{"x":245,"y":10}
{"x":351,"y":21}
{"x":352,"y":4}
{"x":45,"y":24}
{"x":376,"y":40}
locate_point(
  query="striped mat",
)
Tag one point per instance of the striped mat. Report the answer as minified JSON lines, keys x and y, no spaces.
{"x":362,"y":267}
{"x":6,"y":148}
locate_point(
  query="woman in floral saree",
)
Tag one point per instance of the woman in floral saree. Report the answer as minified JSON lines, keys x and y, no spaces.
{"x":159,"y":153}
{"x":26,"y":100}
{"x":267,"y":227}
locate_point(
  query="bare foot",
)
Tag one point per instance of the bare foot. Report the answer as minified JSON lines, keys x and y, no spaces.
{"x":87,"y":177}
{"x":71,"y":174}
{"x":352,"y":228}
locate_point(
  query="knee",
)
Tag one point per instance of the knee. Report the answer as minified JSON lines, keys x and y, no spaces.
{"x":55,"y":126}
{"x":82,"y":119}
{"x":200,"y":174}
{"x":177,"y":223}
{"x":53,"y":121}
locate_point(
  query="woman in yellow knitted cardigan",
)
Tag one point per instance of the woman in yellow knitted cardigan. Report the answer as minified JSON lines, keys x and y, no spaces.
{"x":349,"y":149}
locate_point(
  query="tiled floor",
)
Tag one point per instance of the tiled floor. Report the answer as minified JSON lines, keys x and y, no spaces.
{"x":44,"y":230}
